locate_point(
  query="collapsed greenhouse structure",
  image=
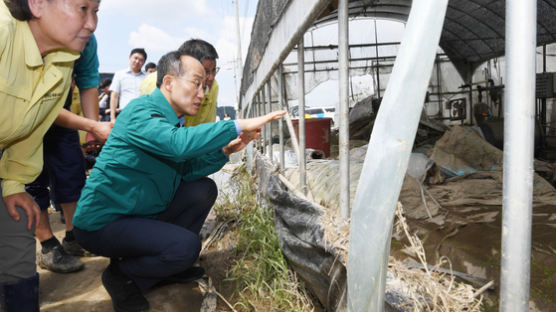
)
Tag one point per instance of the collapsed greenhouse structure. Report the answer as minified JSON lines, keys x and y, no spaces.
{"x":461,"y":92}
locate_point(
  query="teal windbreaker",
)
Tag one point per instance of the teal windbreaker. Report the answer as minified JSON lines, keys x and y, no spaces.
{"x":145,"y":158}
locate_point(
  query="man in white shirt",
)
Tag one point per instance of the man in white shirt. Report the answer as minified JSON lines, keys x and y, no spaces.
{"x":126,"y":83}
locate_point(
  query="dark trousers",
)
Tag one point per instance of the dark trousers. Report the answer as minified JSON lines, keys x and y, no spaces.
{"x":153,"y":249}
{"x":63,"y":169}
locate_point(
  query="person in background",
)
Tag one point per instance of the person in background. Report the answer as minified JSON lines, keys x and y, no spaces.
{"x":207,"y":55}
{"x":125,"y":84}
{"x":150,"y":68}
{"x":39,"y":40}
{"x":148,"y":195}
{"x":104,"y":99}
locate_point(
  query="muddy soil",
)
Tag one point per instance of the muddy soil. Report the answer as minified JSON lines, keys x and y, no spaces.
{"x":474,"y":248}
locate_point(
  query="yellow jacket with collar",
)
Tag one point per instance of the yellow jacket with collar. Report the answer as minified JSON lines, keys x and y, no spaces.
{"x":32,"y":93}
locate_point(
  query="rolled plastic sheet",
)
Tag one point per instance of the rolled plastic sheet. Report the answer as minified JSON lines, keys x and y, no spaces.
{"x":388,"y":155}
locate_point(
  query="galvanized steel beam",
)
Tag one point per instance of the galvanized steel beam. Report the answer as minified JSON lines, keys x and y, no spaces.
{"x":519,"y":116}
{"x":343,"y":69}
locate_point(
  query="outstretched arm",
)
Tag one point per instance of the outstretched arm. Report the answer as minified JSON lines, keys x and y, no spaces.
{"x":89,"y":103}
{"x":253,"y":124}
{"x":250,"y":130}
{"x":100,"y":130}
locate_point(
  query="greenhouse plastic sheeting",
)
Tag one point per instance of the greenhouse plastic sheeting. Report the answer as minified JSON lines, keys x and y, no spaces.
{"x":298,"y":226}
{"x":301,"y":238}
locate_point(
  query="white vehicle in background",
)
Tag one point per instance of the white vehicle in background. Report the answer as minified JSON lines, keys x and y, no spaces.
{"x":319,"y":112}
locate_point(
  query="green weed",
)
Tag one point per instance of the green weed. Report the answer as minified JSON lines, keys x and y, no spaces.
{"x":261,"y":273}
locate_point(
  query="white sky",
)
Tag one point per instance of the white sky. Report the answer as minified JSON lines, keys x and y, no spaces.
{"x":162,"y":26}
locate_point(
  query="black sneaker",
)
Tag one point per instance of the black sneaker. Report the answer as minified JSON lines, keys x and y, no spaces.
{"x":190,"y":275}
{"x":73,"y":248}
{"x":126,"y":296}
{"x":57,"y":260}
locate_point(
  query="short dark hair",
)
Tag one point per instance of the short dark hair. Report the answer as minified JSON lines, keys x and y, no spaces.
{"x":199,"y":49}
{"x":105,"y":83}
{"x":140,"y":51}
{"x":169,"y":64}
{"x":19,"y":9}
{"x":150,"y":65}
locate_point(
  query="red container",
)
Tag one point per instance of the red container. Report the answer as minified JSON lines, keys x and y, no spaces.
{"x":317,"y":133}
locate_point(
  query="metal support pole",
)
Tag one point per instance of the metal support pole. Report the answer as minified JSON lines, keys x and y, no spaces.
{"x":265,"y":128}
{"x":544,"y":58}
{"x":544,"y":123}
{"x":470,"y":83}
{"x":269,"y":125}
{"x":259,"y":113}
{"x":249,"y":150}
{"x":521,"y":22}
{"x":439,"y":86}
{"x":301,"y":102}
{"x":239,"y":64}
{"x":377,"y":62}
{"x":343,"y":69}
{"x":256,"y":105}
{"x":281,"y":98}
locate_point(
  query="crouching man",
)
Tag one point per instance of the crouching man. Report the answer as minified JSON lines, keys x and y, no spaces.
{"x":148,"y":196}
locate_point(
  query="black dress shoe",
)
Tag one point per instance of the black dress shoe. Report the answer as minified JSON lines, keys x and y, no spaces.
{"x":191,"y":274}
{"x":126,"y":296}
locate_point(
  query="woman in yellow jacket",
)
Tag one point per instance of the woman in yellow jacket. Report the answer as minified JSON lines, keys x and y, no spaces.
{"x":39,"y":41}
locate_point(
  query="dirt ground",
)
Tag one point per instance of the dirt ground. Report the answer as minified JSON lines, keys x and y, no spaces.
{"x":83,"y":290}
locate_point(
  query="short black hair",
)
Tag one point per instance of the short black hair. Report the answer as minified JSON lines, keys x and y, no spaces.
{"x":150,"y":65}
{"x":140,"y":51}
{"x":199,"y":49}
{"x":169,"y":64}
{"x":19,"y":9}
{"x":105,"y":83}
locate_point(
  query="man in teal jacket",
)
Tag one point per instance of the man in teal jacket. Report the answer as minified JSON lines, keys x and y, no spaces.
{"x":148,"y":196}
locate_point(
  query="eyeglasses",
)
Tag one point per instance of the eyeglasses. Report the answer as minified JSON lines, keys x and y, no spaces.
{"x":199,"y":85}
{"x":212,"y":72}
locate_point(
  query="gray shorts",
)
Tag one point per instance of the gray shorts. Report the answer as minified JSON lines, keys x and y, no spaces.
{"x":17,"y":247}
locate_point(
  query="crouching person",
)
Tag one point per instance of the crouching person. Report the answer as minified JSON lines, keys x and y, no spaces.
{"x":148,"y":196}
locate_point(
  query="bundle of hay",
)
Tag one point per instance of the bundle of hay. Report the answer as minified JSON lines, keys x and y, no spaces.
{"x":416,"y":288}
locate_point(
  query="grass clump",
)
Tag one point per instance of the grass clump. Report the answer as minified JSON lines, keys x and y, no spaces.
{"x":264,"y":281}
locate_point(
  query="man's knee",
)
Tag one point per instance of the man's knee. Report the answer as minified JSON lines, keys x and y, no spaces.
{"x":184,"y":251}
{"x":211,"y":189}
